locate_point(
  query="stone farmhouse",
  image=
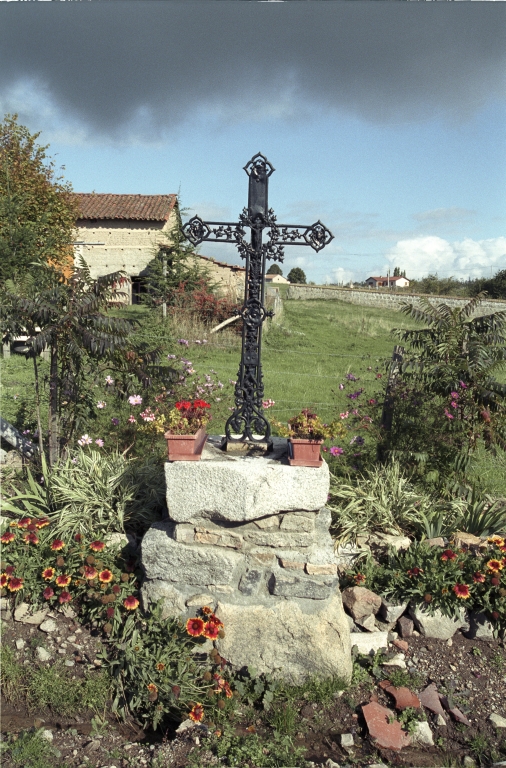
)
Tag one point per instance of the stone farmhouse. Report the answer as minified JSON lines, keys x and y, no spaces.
{"x":124,"y":232}
{"x":387,"y":282}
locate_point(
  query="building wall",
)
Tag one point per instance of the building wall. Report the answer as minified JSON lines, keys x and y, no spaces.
{"x":229,"y":279}
{"x":381,"y":298}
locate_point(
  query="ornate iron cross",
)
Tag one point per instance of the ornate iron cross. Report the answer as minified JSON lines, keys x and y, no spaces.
{"x":248,"y":423}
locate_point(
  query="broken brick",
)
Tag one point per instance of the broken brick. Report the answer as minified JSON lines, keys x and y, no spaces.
{"x":404,"y":698}
{"x":429,"y":697}
{"x":385,"y":731}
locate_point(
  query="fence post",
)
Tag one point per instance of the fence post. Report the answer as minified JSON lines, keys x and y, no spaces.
{"x":388,"y":404}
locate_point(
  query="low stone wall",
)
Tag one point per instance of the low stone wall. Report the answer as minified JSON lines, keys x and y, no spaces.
{"x":386,"y":299}
{"x":249,"y":537}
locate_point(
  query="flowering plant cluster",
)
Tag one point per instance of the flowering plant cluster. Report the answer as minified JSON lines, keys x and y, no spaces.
{"x":307,"y":425}
{"x":442,"y":578}
{"x":188,"y":416}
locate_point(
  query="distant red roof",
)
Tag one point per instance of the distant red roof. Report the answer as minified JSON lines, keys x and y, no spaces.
{"x":391,"y":279}
{"x":133,"y":207}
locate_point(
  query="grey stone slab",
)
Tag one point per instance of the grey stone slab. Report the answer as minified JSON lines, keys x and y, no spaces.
{"x":250,"y":581}
{"x":436,"y":624}
{"x":369,"y":641}
{"x":165,"y":559}
{"x":242,"y":488}
{"x":293,"y":586}
{"x":279,"y":539}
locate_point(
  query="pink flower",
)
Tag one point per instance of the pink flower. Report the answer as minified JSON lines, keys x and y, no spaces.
{"x":448,"y":414}
{"x":85,"y":440}
{"x":99,"y":442}
{"x":268,"y":403}
{"x":148,"y":415}
{"x":344,"y":415}
{"x":101,"y":404}
{"x":132,"y":419}
{"x":341,"y":386}
{"x":453,"y":404}
{"x":336,"y":450}
{"x":135,"y":400}
{"x":454,"y":395}
{"x":463,"y":384}
{"x":109,"y":381}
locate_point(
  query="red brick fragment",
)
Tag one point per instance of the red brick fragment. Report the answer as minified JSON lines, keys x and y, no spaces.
{"x":402,"y":645}
{"x":404,"y":698}
{"x":384,"y":684}
{"x":383,"y":729}
{"x":459,"y":716}
{"x":429,"y":697}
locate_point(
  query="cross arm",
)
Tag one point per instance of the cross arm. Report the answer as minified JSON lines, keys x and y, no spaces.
{"x":315,"y":235}
{"x":196,"y":231}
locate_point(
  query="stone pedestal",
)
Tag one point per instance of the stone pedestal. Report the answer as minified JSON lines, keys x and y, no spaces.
{"x":249,"y":537}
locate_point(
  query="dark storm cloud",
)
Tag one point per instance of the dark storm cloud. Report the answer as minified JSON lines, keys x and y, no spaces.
{"x":108,"y":63}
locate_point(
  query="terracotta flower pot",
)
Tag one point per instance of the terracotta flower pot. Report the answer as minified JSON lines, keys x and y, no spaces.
{"x":304,"y":453}
{"x":186,"y":447}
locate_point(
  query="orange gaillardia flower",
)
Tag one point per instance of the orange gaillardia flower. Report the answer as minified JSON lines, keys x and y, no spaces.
{"x":57,"y":544}
{"x":42,"y":522}
{"x":15,"y":584}
{"x":24,"y":522}
{"x":3,"y":580}
{"x":462,"y":591}
{"x":211,"y":630}
{"x":48,"y":574}
{"x":10,"y":570}
{"x":206,"y":610}
{"x":97,"y":546}
{"x":31,"y":538}
{"x":131,"y":603}
{"x":478,"y":577}
{"x":495,"y":565}
{"x":195,"y":627}
{"x":196,"y":713}
{"x":160,"y":666}
{"x":152,"y":688}
{"x":7,"y":537}
{"x":448,"y":554}
{"x":48,"y":592}
{"x":89,"y":572}
{"x":105,"y":576}
{"x":63,"y":580}
{"x":65,"y":597}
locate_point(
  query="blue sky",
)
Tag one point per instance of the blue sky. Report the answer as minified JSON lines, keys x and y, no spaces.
{"x":386,"y":121}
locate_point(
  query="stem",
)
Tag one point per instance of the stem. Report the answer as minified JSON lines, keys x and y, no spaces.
{"x":37,"y":404}
{"x":53,"y":408}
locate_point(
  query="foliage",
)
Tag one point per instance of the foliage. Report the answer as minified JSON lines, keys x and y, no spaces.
{"x":306,"y":425}
{"x":446,"y":579}
{"x":274,"y":269}
{"x":37,"y":210}
{"x":30,"y":750}
{"x":94,"y":493}
{"x":481,"y":516}
{"x":297,"y":275}
{"x":383,"y":500}
{"x":495,"y":287}
{"x":201,"y":302}
{"x":11,"y":674}
{"x":55,"y":688}
{"x":251,"y":750}
{"x":256,"y":689}
{"x":186,"y":418}
{"x":67,"y":317}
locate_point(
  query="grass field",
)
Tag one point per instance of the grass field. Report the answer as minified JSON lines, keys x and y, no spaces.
{"x":305,"y":358}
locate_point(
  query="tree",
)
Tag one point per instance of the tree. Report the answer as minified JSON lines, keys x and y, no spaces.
{"x":297,"y":275}
{"x":274,"y":269}
{"x":37,"y":211}
{"x":68,"y":317}
{"x":496,"y":286}
{"x":397,"y":272}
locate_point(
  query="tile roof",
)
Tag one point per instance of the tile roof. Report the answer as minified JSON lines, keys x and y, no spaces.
{"x":391,"y":278}
{"x":133,"y":207}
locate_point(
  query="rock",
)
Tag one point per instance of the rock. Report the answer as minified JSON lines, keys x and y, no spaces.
{"x":291,"y":565}
{"x":437,"y":542}
{"x":20,"y":643}
{"x":330,"y":569}
{"x":440,"y":721}
{"x":422,"y":734}
{"x":69,"y":663}
{"x":392,"y":611}
{"x":437,"y":625}
{"x":479,"y":627}
{"x":68,"y":612}
{"x":42,"y":654}
{"x":404,"y":698}
{"x":361,"y":602}
{"x":250,"y":582}
{"x":297,"y":644}
{"x":396,"y":661}
{"x":3,"y":456}
{"x":200,"y":600}
{"x":285,"y":586}
{"x":297,"y":522}
{"x":405,"y":626}
{"x":266,"y":523}
{"x":459,"y":716}
{"x":386,"y":734}
{"x":21,"y":611}
{"x":462,"y":539}
{"x":369,"y":623}
{"x":384,"y":541}
{"x":367,"y":642}
{"x":172,"y":600}
{"x":331,"y":764}
{"x":497,"y":720}
{"x":469,"y":762}
{"x":35,"y":618}
{"x":279,"y":539}
{"x":4,"y":604}
{"x":47,"y":735}
{"x":166,"y":560}
{"x":236,"y":488}
{"x":120,"y":539}
{"x":217,"y":538}
{"x":402,"y":645}
{"x":429,"y":697}
{"x":48,"y":626}
{"x":347,"y":741}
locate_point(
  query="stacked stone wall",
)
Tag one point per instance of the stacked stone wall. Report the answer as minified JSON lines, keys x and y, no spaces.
{"x":384,"y":299}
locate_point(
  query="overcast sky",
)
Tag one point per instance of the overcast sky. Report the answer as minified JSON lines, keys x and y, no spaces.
{"x":386,"y":120}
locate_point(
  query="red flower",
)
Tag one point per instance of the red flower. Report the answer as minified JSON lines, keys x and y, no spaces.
{"x":228,"y":690}
{"x":105,"y":576}
{"x":201,"y":404}
{"x":3,"y":580}
{"x":414,"y":571}
{"x":359,"y":578}
{"x":78,"y":538}
{"x":97,"y":546}
{"x":57,"y":544}
{"x":478,"y":577}
{"x":48,"y":592}
{"x":32,"y":527}
{"x":183,"y":405}
{"x":42,"y":522}
{"x":196,"y":713}
{"x":89,"y":572}
{"x":63,"y":580}
{"x":195,"y":627}
{"x":24,"y":522}
{"x":131,"y":603}
{"x":15,"y":584}
{"x":65,"y":597}
{"x":206,"y":610}
{"x":10,"y":570}
{"x":462,"y":591}
{"x":448,"y":554}
{"x":48,"y":574}
{"x":216,"y":620}
{"x":7,"y":537}
{"x":31,"y":538}
{"x":110,"y":612}
{"x":211,"y":630}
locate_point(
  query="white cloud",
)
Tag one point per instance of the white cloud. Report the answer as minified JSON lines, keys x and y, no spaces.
{"x":340,"y":275}
{"x":468,"y":258}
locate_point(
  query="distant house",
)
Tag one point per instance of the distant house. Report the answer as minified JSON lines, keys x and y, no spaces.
{"x":123,"y":232}
{"x":387,"y":282}
{"x":279,"y":279}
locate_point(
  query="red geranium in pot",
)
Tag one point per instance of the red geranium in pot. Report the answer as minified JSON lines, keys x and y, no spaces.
{"x":186,"y":434}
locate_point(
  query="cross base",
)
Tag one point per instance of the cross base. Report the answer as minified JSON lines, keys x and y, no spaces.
{"x":246,"y":447}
